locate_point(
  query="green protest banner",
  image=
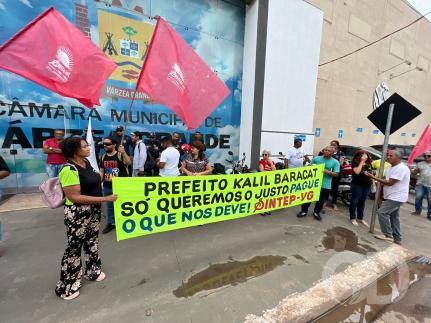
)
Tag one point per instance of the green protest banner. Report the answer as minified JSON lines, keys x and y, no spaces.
{"x":148,"y":205}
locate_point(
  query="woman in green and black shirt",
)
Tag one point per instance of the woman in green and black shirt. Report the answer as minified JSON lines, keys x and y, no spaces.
{"x":83,"y":189}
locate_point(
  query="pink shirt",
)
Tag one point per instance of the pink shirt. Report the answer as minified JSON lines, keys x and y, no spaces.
{"x":54,"y":159}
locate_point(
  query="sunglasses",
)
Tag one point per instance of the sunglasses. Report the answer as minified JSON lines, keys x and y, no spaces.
{"x":264,"y":154}
{"x":107,"y":144}
{"x":427,"y":155}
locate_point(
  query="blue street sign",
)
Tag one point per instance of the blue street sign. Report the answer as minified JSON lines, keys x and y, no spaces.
{"x":375,"y":132}
{"x":317,"y":132}
{"x":340,"y":133}
{"x":359,"y":129}
{"x":413,"y":135}
{"x":403,"y":134}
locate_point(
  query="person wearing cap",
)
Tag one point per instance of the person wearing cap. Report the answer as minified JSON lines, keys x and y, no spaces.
{"x":154,"y":148}
{"x":127,"y":143}
{"x":296,"y":155}
{"x":139,"y":155}
{"x":423,"y":185}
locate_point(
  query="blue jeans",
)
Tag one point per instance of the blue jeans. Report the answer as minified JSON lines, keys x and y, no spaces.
{"x":107,"y":190}
{"x":357,"y":204}
{"x":389,"y":219}
{"x":53,"y":169}
{"x":421,"y":192}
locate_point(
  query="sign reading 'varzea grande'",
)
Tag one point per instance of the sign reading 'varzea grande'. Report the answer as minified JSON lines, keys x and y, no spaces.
{"x":152,"y":205}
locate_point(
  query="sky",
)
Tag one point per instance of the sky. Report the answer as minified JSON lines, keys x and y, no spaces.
{"x":423,"y":6}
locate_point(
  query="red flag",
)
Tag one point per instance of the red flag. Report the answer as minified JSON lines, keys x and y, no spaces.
{"x":174,"y":75}
{"x":52,"y":52}
{"x":423,"y":145}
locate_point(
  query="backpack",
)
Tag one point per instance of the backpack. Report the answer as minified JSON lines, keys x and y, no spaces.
{"x":52,"y":192}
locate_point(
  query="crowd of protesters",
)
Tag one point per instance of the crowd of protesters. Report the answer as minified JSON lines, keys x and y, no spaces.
{"x":125,"y":156}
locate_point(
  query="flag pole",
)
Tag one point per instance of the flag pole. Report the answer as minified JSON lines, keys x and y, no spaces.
{"x":139,"y":78}
{"x":382,"y":166}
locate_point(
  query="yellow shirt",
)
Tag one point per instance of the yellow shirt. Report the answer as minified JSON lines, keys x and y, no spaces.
{"x":376,"y":165}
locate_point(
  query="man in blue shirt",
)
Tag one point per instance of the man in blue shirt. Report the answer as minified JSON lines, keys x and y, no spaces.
{"x":332,"y":169}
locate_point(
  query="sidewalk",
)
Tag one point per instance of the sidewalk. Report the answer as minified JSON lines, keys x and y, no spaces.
{"x":215,"y":273}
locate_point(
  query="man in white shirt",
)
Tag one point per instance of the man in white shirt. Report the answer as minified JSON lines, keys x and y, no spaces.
{"x":396,"y":193}
{"x":140,"y":154}
{"x":296,"y":155}
{"x":169,"y":159}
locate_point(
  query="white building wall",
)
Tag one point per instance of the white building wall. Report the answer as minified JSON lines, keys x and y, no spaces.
{"x":292,"y":58}
{"x":249,"y":63}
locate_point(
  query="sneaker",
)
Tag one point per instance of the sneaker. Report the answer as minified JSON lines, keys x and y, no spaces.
{"x":101,"y":277}
{"x":415,"y":213}
{"x":363,"y":223}
{"x":383,"y":237}
{"x":354,"y":222}
{"x":301,"y":214}
{"x":109,"y":227}
{"x":317,"y":216}
{"x":72,"y":296}
{"x":397,"y":242}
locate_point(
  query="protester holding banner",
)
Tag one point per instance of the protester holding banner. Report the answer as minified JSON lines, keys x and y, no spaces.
{"x":55,"y":159}
{"x":140,"y":155}
{"x":169,"y":159}
{"x":339,"y":156}
{"x":113,"y":164}
{"x":332,"y":169}
{"x":83,"y":189}
{"x":360,"y":187}
{"x":196,"y":163}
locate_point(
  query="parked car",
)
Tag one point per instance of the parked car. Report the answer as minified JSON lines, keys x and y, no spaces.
{"x":349,"y":151}
{"x":405,"y":151}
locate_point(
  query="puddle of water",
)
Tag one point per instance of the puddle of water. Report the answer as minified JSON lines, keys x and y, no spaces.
{"x":341,"y":239}
{"x":367,"y":304}
{"x":230,"y":273}
{"x":299,"y":257}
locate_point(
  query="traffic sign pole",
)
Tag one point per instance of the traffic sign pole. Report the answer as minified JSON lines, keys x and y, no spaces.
{"x":382,"y":165}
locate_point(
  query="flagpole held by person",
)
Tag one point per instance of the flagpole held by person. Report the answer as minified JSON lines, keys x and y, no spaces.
{"x":62,"y":59}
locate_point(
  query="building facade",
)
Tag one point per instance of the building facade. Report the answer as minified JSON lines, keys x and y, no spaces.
{"x":345,"y":87}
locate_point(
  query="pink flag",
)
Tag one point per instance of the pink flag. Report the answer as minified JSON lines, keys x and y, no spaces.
{"x":52,"y":52}
{"x":174,"y":75}
{"x":423,"y":145}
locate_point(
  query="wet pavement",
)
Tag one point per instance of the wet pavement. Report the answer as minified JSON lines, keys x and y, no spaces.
{"x":215,"y":273}
{"x":393,"y":288}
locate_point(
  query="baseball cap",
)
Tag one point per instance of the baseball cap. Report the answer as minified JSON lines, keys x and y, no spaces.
{"x":120,"y":128}
{"x":152,"y":134}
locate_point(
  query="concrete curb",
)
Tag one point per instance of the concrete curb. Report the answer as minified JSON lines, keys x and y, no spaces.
{"x":326,"y":294}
